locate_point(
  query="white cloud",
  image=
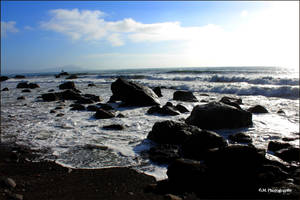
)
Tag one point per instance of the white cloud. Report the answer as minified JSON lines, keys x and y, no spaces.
{"x":7,"y":27}
{"x":244,"y":13}
{"x":28,"y":28}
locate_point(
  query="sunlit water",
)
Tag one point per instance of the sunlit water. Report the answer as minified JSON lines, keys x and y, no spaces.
{"x":78,"y":140}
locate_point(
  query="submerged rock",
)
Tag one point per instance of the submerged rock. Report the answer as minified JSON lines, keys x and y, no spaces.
{"x":258,"y":109}
{"x":215,"y":115}
{"x":184,"y":96}
{"x":133,"y":94}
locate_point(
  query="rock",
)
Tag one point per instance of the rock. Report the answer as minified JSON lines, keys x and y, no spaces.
{"x":289,"y":154}
{"x":69,"y":95}
{"x":275,"y":146}
{"x":67,"y":85}
{"x":164,"y":153}
{"x":77,"y":107}
{"x":157,"y":91}
{"x":60,"y":115}
{"x":114,"y":127}
{"x":199,"y":143}
{"x":258,"y":109}
{"x":19,"y":76}
{"x":232,"y":101}
{"x":91,"y":85}
{"x":133,"y":94}
{"x":9,"y":182}
{"x":280,"y":111}
{"x":165,"y":110}
{"x":103,"y":114}
{"x":73,"y":76}
{"x":62,"y":73}
{"x":5,"y":89}
{"x":84,"y":100}
{"x":240,"y":137}
{"x":21,"y":98}
{"x":22,"y":85}
{"x":92,"y":108}
{"x":26,"y":90}
{"x":3,"y":78}
{"x":172,"y":197}
{"x":105,"y":106}
{"x":58,"y":108}
{"x":52,"y":111}
{"x":169,"y":104}
{"x":268,"y":174}
{"x":50,"y":97}
{"x":120,"y":115}
{"x":95,"y":146}
{"x":171,"y":132}
{"x":181,"y":108}
{"x":288,"y":139}
{"x":215,"y":115}
{"x":184,"y":96}
{"x":51,"y":90}
{"x":33,"y":85}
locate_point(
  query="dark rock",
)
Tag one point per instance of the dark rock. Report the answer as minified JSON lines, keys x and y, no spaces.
{"x":33,"y":85}
{"x":289,"y":154}
{"x":69,"y":95}
{"x":3,"y":78}
{"x":268,"y":174}
{"x":120,"y":115}
{"x":50,"y":97}
{"x":93,"y":97}
{"x":169,"y":104}
{"x":5,"y":89}
{"x":217,"y":115}
{"x":275,"y":146}
{"x":91,"y":85}
{"x":67,"y":85}
{"x":232,"y":101}
{"x":164,"y":153}
{"x":92,"y":108}
{"x":84,"y":100}
{"x":184,"y":96}
{"x":19,"y":76}
{"x":21,"y":98}
{"x":22,"y":85}
{"x":62,"y":73}
{"x":103,"y":114}
{"x":26,"y":90}
{"x":288,"y":139}
{"x":240,"y":137}
{"x":165,"y":110}
{"x":204,"y":101}
{"x":157,"y":91}
{"x":58,"y":108}
{"x":51,"y":90}
{"x":73,"y":76}
{"x":60,"y":115}
{"x":181,"y":108}
{"x":114,"y":127}
{"x":105,"y":106}
{"x":280,"y":111}
{"x":171,"y":132}
{"x":77,"y":107}
{"x":199,"y":143}
{"x":52,"y":111}
{"x":133,"y":94}
{"x":258,"y":109}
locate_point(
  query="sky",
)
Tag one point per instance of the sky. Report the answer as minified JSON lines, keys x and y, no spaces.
{"x":81,"y":35}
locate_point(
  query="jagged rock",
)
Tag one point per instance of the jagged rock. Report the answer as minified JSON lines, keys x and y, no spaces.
{"x":103,"y":114}
{"x":258,"y":109}
{"x":216,"y":115}
{"x":184,"y":96}
{"x":133,"y":94}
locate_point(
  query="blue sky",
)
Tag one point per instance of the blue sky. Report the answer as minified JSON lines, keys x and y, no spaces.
{"x":42,"y":36}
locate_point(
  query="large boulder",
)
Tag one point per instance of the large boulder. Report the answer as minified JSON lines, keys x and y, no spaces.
{"x":133,"y":94}
{"x":216,"y":115}
{"x":67,"y":85}
{"x":258,"y":109}
{"x":198,"y":144}
{"x":184,"y":96}
{"x":171,"y":132}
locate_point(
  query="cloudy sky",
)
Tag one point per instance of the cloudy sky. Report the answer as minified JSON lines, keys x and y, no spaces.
{"x":41,"y":36}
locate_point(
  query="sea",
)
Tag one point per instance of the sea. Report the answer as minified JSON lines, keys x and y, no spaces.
{"x":77,"y":140}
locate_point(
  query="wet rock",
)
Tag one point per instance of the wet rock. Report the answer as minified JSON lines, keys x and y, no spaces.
{"x":105,"y":106}
{"x":60,"y":115}
{"x":184,"y":96}
{"x":164,"y":153}
{"x":103,"y":114}
{"x":93,"y":97}
{"x":275,"y":146}
{"x":21,"y":98}
{"x":280,"y":111}
{"x":258,"y":109}
{"x":77,"y":107}
{"x":33,"y":85}
{"x":268,"y":174}
{"x":165,"y":110}
{"x":3,"y":78}
{"x":216,"y":115}
{"x":289,"y":154}
{"x":171,"y":132}
{"x":157,"y":91}
{"x":19,"y":77}
{"x":133,"y":94}
{"x":5,"y":89}
{"x":69,"y":95}
{"x":181,"y":108}
{"x":114,"y":127}
{"x":169,"y":104}
{"x":50,"y":97}
{"x":22,"y":85}
{"x":26,"y":90}
{"x":95,"y":146}
{"x":92,"y":108}
{"x":235,"y":102}
{"x":52,"y":111}
{"x":73,"y":76}
{"x":91,"y":85}
{"x":240,"y":137}
{"x":67,"y":85}
{"x":199,"y":143}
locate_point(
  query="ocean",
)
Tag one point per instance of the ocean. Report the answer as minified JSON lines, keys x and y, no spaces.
{"x":77,"y":140}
